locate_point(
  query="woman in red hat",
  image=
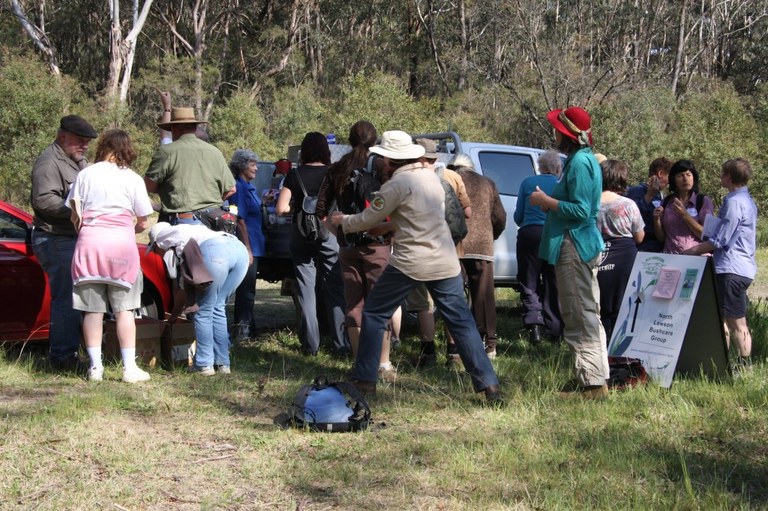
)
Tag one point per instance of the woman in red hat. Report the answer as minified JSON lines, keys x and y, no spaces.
{"x":572,"y":243}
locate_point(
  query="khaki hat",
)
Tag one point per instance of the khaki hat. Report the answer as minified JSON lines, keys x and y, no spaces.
{"x":181,"y":115}
{"x":430,"y":147}
{"x":397,"y":145}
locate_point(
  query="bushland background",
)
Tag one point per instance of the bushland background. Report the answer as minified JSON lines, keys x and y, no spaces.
{"x":684,"y":79}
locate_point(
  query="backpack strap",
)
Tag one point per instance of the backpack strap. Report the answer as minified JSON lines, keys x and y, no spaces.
{"x":301,"y":183}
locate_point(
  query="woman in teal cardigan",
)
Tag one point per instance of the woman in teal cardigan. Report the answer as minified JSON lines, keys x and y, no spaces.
{"x":572,"y":243}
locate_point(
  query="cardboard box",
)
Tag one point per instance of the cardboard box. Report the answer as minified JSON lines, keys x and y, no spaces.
{"x":148,"y":333}
{"x":178,"y":343}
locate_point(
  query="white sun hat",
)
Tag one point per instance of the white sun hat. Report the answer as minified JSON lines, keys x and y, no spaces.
{"x":398,"y":145}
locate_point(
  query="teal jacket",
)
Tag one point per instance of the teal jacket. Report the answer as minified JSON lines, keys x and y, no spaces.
{"x":578,"y":190}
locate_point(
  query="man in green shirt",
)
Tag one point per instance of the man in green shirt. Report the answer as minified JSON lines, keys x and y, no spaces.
{"x":190,"y":175}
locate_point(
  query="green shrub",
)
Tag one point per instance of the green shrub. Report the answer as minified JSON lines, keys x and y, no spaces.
{"x":31,"y":103}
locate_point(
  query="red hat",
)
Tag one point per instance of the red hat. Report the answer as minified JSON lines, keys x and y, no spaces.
{"x":282,"y":166}
{"x":573,"y":122}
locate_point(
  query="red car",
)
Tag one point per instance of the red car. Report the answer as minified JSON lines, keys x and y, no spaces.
{"x":25,"y":302}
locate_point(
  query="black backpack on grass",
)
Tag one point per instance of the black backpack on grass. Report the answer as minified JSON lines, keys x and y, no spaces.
{"x":332,"y":407}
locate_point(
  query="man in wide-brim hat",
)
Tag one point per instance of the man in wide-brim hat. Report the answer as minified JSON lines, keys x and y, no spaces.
{"x":422,"y":251}
{"x":190,"y":175}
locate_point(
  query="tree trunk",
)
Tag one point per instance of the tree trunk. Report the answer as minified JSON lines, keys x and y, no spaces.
{"x":39,"y":37}
{"x":680,"y":48}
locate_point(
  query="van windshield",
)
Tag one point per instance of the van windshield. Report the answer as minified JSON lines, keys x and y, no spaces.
{"x":507,"y":170}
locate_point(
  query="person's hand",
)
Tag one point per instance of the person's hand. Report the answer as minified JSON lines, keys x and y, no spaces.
{"x":539,"y":198}
{"x":678,"y":207}
{"x":165,"y":98}
{"x":654,"y":185}
{"x":657,"y":213}
{"x":337,"y":217}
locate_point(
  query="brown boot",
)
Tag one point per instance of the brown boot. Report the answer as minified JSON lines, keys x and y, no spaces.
{"x":364,"y":387}
{"x":591,"y":393}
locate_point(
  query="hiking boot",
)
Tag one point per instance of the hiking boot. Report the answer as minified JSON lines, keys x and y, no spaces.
{"x":591,"y":393}
{"x":453,"y":360}
{"x":388,"y":373}
{"x":534,"y":334}
{"x":135,"y":375}
{"x":493,"y":396}
{"x":426,"y":360}
{"x":96,"y":373}
{"x":71,"y":364}
{"x":364,"y":387}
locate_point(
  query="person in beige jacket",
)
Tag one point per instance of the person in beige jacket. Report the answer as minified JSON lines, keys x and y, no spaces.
{"x":422,"y":251}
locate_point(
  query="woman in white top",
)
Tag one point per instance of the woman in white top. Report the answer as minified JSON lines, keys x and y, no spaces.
{"x":622,"y":228}
{"x":109,"y":205}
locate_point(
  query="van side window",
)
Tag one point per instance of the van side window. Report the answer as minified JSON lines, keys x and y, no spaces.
{"x":507,"y":170}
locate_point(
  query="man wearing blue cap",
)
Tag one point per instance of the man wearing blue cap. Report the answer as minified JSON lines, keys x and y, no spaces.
{"x":54,"y":235}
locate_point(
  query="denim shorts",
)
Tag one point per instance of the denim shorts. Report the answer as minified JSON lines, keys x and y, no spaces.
{"x":732,"y":292}
{"x":96,"y":296}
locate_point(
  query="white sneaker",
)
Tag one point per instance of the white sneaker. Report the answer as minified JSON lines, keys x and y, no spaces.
{"x":223,"y":369}
{"x":135,"y":375}
{"x":96,"y":373}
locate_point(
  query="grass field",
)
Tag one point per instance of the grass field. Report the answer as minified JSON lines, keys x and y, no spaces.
{"x":181,"y":442}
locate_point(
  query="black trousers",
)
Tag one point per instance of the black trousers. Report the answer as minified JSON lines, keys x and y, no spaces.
{"x":613,"y":273}
{"x":538,"y":285}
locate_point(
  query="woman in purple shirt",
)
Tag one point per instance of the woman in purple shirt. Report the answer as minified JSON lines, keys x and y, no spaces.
{"x":679,"y":221}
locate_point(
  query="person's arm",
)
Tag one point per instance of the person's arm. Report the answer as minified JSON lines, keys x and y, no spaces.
{"x":165,"y":100}
{"x":498,"y":215}
{"x":385,"y":202}
{"x":692,"y":223}
{"x":581,"y":184}
{"x":639,"y":236}
{"x":658,"y":228}
{"x":47,"y":196}
{"x":542,"y":200}
{"x":142,"y":222}
{"x":522,"y":197}
{"x":242,"y":232}
{"x":152,"y":187}
{"x":283,"y":206}
{"x":701,"y":248}
{"x":229,"y":193}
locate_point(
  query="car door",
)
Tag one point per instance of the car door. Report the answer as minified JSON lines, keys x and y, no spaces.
{"x":24,"y":303}
{"x":507,"y":168}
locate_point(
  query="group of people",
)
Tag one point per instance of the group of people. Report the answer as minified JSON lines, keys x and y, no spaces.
{"x":581,"y":228}
{"x":381,"y":240}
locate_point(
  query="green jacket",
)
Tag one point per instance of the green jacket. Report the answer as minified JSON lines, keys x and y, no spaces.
{"x":192,"y":175}
{"x":578,"y":190}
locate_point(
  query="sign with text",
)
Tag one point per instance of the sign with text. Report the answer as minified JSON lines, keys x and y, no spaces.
{"x":669,"y":318}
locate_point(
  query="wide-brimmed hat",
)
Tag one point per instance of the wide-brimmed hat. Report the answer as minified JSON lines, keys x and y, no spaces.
{"x":430,"y":148}
{"x":398,"y":145}
{"x":181,"y":115}
{"x":154,"y":233}
{"x":77,"y":125}
{"x":573,"y":122}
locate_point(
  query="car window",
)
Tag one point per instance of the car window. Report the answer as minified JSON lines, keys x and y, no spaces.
{"x":507,"y":170}
{"x":11,"y":227}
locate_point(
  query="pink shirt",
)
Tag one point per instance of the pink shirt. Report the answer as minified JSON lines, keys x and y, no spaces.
{"x":678,"y":236}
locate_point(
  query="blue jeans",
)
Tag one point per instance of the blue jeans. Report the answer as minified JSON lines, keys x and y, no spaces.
{"x":317,"y":262}
{"x":389,"y":292}
{"x":227,"y":261}
{"x":54,"y":253}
